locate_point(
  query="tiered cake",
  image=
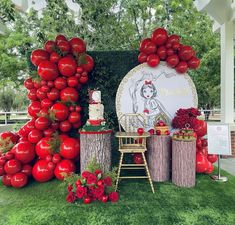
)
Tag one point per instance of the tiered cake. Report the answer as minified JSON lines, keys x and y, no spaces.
{"x":96,"y":109}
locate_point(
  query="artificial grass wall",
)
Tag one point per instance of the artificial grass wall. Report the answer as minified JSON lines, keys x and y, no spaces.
{"x":110,"y":68}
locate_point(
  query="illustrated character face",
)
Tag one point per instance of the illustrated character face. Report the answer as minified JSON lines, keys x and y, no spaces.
{"x":148,"y":92}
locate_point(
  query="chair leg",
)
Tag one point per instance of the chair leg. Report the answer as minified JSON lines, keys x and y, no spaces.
{"x":147,"y":171}
{"x":119,"y":170}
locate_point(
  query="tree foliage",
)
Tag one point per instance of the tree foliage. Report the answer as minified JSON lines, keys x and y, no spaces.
{"x":111,"y":25}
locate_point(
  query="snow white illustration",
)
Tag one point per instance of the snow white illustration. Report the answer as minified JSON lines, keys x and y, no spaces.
{"x":153,"y":108}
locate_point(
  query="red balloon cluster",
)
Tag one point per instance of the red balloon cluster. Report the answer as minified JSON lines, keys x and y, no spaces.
{"x":164,"y":47}
{"x":43,"y":148}
{"x":204,"y":161}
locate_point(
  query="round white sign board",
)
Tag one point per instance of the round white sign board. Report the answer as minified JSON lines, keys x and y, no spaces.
{"x":155,"y":92}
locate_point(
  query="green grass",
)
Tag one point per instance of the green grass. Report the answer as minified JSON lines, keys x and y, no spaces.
{"x":208,"y":203}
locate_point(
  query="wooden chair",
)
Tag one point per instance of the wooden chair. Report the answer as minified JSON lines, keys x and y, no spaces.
{"x":131,"y":142}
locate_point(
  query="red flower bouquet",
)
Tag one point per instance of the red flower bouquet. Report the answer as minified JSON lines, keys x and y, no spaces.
{"x":92,"y":185}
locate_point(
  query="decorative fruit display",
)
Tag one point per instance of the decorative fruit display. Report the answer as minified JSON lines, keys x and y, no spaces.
{"x":40,"y":148}
{"x":161,"y":128}
{"x":165,"y":47}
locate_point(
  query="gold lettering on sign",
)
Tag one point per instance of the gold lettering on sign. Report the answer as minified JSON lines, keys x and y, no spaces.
{"x":173,"y":92}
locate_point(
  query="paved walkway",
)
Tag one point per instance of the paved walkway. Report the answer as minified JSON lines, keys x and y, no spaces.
{"x":228,"y":165}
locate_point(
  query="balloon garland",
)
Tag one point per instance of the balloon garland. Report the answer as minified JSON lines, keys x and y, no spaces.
{"x":164,"y":47}
{"x":43,"y":148}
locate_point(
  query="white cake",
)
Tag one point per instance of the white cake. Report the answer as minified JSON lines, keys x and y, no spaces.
{"x":96,"y":108}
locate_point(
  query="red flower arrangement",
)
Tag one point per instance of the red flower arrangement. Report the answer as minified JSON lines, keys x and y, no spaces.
{"x":92,"y":185}
{"x":185,"y":116}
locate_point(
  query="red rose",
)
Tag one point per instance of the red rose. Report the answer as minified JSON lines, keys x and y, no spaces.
{"x":81,"y":191}
{"x":70,"y":188}
{"x":113,"y":196}
{"x":98,"y":192}
{"x":78,"y":183}
{"x":85,"y":174}
{"x":108,"y":181}
{"x":97,"y":172}
{"x":70,"y":197}
{"x":91,"y":179}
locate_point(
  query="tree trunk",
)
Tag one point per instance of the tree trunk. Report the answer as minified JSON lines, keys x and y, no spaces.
{"x":159,"y":157}
{"x":98,"y":146}
{"x":183,"y":163}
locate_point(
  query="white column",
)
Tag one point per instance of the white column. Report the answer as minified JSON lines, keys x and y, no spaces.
{"x":227,"y":73}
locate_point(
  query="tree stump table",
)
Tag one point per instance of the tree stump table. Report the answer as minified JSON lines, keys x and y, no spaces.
{"x":159,"y":157}
{"x":183,"y":163}
{"x":95,"y":145}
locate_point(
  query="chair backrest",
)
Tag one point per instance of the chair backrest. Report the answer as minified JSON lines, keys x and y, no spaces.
{"x":130,"y":122}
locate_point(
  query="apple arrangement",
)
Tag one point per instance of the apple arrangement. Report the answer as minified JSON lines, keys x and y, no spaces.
{"x":43,"y":148}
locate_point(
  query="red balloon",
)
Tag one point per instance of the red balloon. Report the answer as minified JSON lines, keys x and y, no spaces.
{"x":72,"y":81}
{"x":77,"y":45}
{"x":199,"y":143}
{"x":143,"y":44}
{"x":53,"y":94}
{"x":210,"y":168}
{"x":60,"y":111}
{"x":34,"y":108}
{"x":2,"y":172}
{"x":43,"y":147}
{"x":172,"y":39}
{"x":200,"y":128}
{"x":60,"y":83}
{"x":41,"y":172}
{"x":212,"y":158}
{"x":32,"y":94}
{"x":65,"y":126}
{"x":172,"y":60}
{"x":182,"y":67}
{"x":204,"y":151}
{"x":49,"y":46}
{"x":70,"y":148}
{"x":19,"y":180}
{"x":69,"y":94}
{"x":89,"y":64}
{"x":46,"y":103}
{"x":161,"y":52}
{"x":64,"y":46}
{"x":12,"y":166}
{"x":59,"y":38}
{"x":55,"y":57}
{"x":204,"y":142}
{"x":6,"y":180}
{"x":74,"y":117}
{"x":67,"y":66}
{"x":64,"y":166}
{"x":159,"y":36}
{"x":194,"y":63}
{"x":150,"y":48}
{"x":170,"y":52}
{"x":38,"y":56}
{"x":24,"y":152}
{"x":185,"y":52}
{"x":47,"y":70}
{"x":142,"y":57}
{"x":153,"y":60}
{"x":201,"y":163}
{"x":27,"y":169}
{"x":35,"y":136}
{"x":28,"y":83}
{"x":137,"y":158}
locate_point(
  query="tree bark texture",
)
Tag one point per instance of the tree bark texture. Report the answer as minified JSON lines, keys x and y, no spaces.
{"x":96,"y":146}
{"x":183,"y":163}
{"x":159,"y":157}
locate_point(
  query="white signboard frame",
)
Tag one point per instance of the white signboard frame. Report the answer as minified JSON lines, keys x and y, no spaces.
{"x":219,"y":138}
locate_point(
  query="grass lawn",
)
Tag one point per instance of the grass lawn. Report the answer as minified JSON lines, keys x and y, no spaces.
{"x":208,"y":203}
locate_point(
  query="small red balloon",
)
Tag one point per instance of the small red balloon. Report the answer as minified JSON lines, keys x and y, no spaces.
{"x":153,"y":60}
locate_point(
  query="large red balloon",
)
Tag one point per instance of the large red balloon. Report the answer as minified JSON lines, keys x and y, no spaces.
{"x":41,"y":172}
{"x":38,"y":56}
{"x":65,"y":166}
{"x":67,"y":66}
{"x":159,"y":36}
{"x":210,"y":168}
{"x":201,"y":163}
{"x":212,"y":158}
{"x":12,"y":166}
{"x":200,"y":128}
{"x":48,"y":70}
{"x":6,"y":180}
{"x":24,"y":152}
{"x":194,"y":63}
{"x":186,"y":52}
{"x":172,"y":60}
{"x":70,"y":148}
{"x":153,"y":60}
{"x":19,"y":180}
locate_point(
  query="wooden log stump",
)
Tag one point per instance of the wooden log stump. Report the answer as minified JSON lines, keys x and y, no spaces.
{"x":159,"y":157}
{"x":95,"y":145}
{"x":183,"y":163}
